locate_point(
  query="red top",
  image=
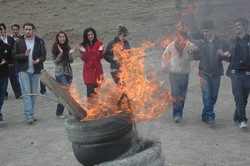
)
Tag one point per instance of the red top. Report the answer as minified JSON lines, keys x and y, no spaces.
{"x":92,"y":67}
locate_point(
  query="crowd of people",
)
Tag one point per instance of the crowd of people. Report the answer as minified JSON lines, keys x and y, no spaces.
{"x":22,"y":57}
{"x":210,"y":51}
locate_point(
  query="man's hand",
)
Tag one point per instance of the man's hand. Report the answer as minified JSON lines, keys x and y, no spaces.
{"x":222,"y":53}
{"x":27,"y":52}
{"x":192,"y":49}
{"x":115,"y":58}
{"x":35,"y":61}
{"x":3,"y":62}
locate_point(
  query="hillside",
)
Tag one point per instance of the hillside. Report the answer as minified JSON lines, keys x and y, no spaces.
{"x":145,"y":19}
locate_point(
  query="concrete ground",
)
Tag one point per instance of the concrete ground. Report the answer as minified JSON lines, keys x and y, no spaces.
{"x":188,"y":143}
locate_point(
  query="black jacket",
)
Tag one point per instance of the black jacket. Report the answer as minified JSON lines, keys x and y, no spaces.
{"x":210,"y":66}
{"x":38,"y":53}
{"x":109,"y":55}
{"x":11,"y":41}
{"x":5,"y":53}
{"x":234,"y":61}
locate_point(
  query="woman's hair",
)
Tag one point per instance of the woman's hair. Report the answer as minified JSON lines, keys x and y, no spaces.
{"x":85,"y":36}
{"x":122,"y":30}
{"x":65,"y":46}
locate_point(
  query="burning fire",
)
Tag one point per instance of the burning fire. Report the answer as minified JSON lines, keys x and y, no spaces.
{"x":140,"y":94}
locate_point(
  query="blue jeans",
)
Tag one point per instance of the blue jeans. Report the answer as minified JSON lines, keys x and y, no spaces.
{"x":241,"y":90}
{"x":179,"y":85}
{"x":29,"y":85}
{"x":66,"y":81}
{"x":210,"y":88}
{"x":3,"y":88}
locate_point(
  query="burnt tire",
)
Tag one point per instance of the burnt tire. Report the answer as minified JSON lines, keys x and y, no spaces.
{"x":141,"y":153}
{"x":97,"y":153}
{"x":98,"y":131}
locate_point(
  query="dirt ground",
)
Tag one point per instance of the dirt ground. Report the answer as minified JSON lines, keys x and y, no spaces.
{"x":186,"y":144}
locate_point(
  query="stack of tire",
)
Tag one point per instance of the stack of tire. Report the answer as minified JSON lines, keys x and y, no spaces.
{"x":111,"y":141}
{"x":141,"y":153}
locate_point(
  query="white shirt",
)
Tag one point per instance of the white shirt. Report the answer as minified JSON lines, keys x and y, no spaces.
{"x":4,"y":39}
{"x":30,"y":45}
{"x":176,"y":63}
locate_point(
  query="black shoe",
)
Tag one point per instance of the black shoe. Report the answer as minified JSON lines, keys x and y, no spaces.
{"x":43,"y":92}
{"x":204,"y":120}
{"x":35,"y":119}
{"x":19,"y":97}
{"x":236,"y":120}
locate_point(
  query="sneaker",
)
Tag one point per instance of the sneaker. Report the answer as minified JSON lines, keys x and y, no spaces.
{"x":61,"y":116}
{"x":177,"y":119}
{"x":1,"y":122}
{"x":211,"y":123}
{"x":243,"y":124}
{"x":30,"y":121}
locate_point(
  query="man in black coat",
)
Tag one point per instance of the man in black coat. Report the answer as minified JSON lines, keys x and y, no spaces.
{"x":5,"y":59}
{"x":239,"y":69}
{"x":29,"y":52}
{"x":211,"y":69}
{"x":12,"y":69}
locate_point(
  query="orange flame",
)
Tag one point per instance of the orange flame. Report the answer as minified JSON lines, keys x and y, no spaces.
{"x":165,"y":42}
{"x":140,"y":94}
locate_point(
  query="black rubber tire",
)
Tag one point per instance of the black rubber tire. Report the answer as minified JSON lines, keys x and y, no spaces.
{"x":98,"y":131}
{"x":96,"y":153}
{"x":149,"y":153}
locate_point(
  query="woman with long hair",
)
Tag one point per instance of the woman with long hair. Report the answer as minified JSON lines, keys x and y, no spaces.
{"x":62,"y":58}
{"x":92,"y":51}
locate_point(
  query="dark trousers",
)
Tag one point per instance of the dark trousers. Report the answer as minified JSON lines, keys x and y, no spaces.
{"x":14,"y":80}
{"x":42,"y":86}
{"x":91,"y":89}
{"x":241,"y":89}
{"x":115,"y":76}
{"x":179,"y":85}
{"x":3,"y":88}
